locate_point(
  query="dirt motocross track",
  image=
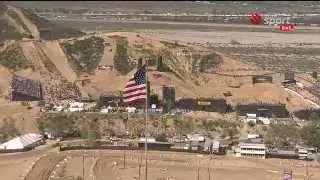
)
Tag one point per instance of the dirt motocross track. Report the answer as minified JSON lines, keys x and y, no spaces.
{"x":161,"y":165}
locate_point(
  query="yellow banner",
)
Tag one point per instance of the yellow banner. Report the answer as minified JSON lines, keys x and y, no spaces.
{"x":204,"y":103}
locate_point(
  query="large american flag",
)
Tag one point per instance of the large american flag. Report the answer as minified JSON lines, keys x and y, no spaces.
{"x":135,"y":90}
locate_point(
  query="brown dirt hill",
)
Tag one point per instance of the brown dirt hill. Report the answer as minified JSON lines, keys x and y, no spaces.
{"x":52,"y":68}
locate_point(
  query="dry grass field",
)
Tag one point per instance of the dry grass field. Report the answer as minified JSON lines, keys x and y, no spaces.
{"x":103,"y":164}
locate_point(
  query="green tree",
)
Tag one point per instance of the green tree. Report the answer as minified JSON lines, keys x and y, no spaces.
{"x":8,"y":130}
{"x":251,"y":124}
{"x":314,"y":116}
{"x":311,"y":132}
{"x":208,"y":125}
{"x":93,"y":131}
{"x":281,"y":134}
{"x":182,"y":125}
{"x":164,"y":124}
{"x":58,"y":123}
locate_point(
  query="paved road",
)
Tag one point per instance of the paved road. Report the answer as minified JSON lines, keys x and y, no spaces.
{"x":181,"y":23}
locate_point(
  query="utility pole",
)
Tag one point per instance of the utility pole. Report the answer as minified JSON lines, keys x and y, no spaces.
{"x":124,"y":158}
{"x":140,"y":160}
{"x":198,"y":170}
{"x":83,"y":167}
{"x":146,"y":123}
{"x":308,"y":176}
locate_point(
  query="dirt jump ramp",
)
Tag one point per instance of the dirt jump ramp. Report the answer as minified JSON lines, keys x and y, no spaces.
{"x":56,"y":55}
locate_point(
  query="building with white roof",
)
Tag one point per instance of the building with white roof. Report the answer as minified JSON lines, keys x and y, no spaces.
{"x":23,"y":142}
{"x":251,"y":150}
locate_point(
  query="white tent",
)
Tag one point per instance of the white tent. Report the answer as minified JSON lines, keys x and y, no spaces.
{"x":22,"y":142}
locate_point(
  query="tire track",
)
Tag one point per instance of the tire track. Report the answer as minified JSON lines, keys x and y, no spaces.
{"x":42,"y":169}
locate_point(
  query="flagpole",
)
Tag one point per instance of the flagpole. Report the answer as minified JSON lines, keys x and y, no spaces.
{"x":146,"y":123}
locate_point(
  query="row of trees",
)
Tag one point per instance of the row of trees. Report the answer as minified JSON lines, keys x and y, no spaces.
{"x":283,"y":134}
{"x":94,"y":127}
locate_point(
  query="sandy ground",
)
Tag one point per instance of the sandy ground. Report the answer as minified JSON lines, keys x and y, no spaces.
{"x":25,"y":119}
{"x":73,"y":168}
{"x":14,"y":169}
{"x":110,"y":164}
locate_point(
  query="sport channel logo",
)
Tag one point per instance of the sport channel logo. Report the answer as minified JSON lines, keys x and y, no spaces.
{"x":283,"y":22}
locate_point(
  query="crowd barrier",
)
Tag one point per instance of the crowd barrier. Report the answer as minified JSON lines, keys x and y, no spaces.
{"x":67,"y":148}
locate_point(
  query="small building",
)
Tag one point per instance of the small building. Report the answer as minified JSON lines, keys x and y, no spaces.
{"x":76,"y":107}
{"x":149,"y":139}
{"x":253,"y":136}
{"x":131,"y":109}
{"x":251,"y":150}
{"x":196,"y":146}
{"x":195,"y":137}
{"x":111,"y":100}
{"x":211,"y":146}
{"x":251,"y":118}
{"x":109,"y":109}
{"x":302,"y":153}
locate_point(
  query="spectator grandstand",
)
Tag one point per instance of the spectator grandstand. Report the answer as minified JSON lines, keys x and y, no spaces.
{"x":25,"y":89}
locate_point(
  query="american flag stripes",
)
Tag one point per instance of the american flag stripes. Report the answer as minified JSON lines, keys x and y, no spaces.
{"x":135,"y":90}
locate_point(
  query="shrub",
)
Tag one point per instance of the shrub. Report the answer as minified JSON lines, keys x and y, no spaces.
{"x":8,"y":130}
{"x":209,"y":61}
{"x":121,"y":61}
{"x":264,"y":128}
{"x":251,"y":124}
{"x":13,"y":58}
{"x":85,"y":55}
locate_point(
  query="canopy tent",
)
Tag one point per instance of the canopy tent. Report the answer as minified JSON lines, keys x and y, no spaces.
{"x":22,"y":142}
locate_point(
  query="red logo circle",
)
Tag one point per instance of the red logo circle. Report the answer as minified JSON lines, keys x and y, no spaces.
{"x":255,"y":18}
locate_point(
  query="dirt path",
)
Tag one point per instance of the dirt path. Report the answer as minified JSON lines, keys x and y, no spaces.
{"x":30,"y":53}
{"x":32,"y":28}
{"x":107,"y":58}
{"x":43,"y":168}
{"x":54,"y":52}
